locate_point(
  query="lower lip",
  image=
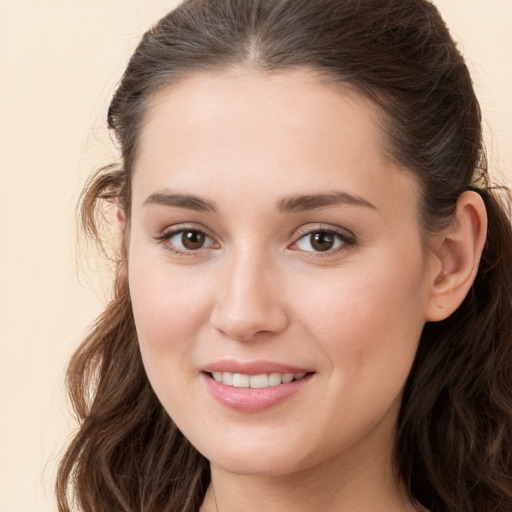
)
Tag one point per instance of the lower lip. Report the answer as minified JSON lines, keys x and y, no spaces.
{"x":253,"y":400}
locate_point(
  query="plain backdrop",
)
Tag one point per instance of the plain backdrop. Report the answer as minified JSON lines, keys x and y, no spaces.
{"x":59,"y":63}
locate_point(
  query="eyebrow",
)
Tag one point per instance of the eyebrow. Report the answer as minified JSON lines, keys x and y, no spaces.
{"x":187,"y":201}
{"x":287,"y":205}
{"x":314,"y":201}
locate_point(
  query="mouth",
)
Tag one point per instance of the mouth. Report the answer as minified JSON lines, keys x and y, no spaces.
{"x":255,"y":386}
{"x":260,"y":381}
{"x":254,"y":392}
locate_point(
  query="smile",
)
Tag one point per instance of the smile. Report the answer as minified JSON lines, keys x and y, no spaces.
{"x":250,"y":393}
{"x":264,"y":380}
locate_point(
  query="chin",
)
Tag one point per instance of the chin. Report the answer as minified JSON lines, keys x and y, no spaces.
{"x":257,"y":458}
{"x":262,"y":465}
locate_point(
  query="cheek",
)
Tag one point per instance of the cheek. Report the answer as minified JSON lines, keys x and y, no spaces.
{"x":169,"y":310}
{"x":169,"y":307}
{"x":368,"y":318}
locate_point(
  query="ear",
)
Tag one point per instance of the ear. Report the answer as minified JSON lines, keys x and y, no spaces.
{"x":118,"y":222}
{"x":119,"y":216}
{"x":120,"y":227}
{"x":455,"y":258}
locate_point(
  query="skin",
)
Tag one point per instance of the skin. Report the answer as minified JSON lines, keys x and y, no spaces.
{"x":257,"y":289}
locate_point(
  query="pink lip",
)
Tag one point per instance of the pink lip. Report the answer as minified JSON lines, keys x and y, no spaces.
{"x":249,"y":399}
{"x":252,"y":368}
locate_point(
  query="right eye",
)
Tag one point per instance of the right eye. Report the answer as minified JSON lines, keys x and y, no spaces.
{"x":185,"y":241}
{"x":320,"y":241}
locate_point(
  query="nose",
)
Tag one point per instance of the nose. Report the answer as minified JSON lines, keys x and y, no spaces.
{"x":250,"y":301}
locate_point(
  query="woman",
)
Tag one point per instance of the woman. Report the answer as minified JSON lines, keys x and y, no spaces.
{"x":312,"y":304}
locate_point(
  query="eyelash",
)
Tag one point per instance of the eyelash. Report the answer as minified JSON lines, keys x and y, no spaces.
{"x":344,"y":239}
{"x":167,"y":235}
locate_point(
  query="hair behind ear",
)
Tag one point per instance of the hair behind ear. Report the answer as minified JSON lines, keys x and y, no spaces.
{"x":140,"y":460}
{"x":455,"y":429}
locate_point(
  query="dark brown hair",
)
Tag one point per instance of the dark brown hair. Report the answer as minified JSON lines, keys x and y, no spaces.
{"x":454,"y":441}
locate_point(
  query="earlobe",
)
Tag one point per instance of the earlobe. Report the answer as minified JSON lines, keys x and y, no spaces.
{"x":456,"y":257}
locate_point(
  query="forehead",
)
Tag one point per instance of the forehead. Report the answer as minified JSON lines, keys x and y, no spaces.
{"x":280,"y":109}
{"x":247,"y":130}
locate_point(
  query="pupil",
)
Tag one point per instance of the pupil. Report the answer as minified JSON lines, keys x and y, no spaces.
{"x":322,"y":241}
{"x":192,"y":239}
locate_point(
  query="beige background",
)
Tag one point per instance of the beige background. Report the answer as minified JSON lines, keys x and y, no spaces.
{"x":59,"y":63}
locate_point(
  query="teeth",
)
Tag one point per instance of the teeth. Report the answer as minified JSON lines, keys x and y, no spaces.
{"x":240,"y":380}
{"x":226,"y":378}
{"x":264,"y":380}
{"x":274,"y":379}
{"x":258,"y":381}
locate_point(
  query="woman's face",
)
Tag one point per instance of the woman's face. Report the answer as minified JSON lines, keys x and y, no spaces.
{"x":270,"y":237}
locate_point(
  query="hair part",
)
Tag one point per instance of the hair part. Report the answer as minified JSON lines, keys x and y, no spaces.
{"x":454,"y":442}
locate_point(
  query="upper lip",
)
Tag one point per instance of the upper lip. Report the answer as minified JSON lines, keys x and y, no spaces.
{"x":252,"y":367}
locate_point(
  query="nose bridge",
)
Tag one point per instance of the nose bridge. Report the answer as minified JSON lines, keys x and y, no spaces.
{"x":249,"y":301}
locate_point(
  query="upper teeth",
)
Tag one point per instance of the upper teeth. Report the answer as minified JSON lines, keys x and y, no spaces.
{"x":240,"y":380}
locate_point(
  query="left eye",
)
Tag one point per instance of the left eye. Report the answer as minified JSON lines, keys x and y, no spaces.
{"x":189,"y":240}
{"x":320,"y":241}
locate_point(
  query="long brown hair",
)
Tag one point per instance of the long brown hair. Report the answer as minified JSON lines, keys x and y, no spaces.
{"x":454,"y":441}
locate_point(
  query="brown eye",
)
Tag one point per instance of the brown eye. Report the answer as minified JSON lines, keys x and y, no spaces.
{"x":322,"y":241}
{"x":192,"y":240}
{"x":186,"y":241}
